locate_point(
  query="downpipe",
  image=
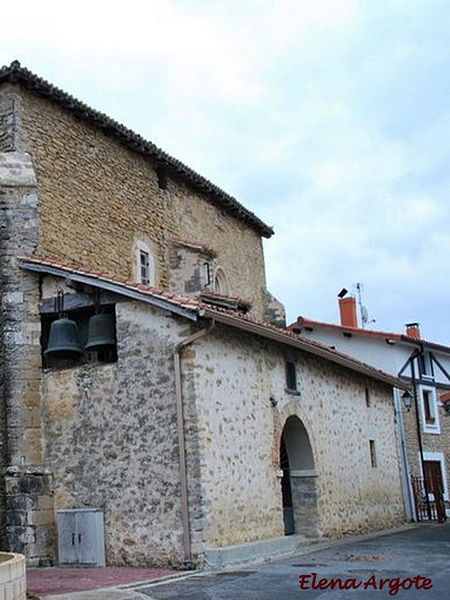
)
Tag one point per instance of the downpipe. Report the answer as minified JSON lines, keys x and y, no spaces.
{"x":188,"y":562}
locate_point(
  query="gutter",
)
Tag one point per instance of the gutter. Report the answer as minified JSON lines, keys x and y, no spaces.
{"x":187,"y":546}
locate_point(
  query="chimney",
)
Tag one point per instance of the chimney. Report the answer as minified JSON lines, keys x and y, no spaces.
{"x":347,"y":311}
{"x":413,"y":331}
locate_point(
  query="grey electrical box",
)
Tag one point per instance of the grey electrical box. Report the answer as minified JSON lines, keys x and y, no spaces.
{"x":81,"y":537}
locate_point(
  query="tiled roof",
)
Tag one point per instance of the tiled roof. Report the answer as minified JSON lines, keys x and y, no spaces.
{"x":18,"y":75}
{"x":193,"y":309}
{"x":302,"y":322}
{"x":120,"y":285}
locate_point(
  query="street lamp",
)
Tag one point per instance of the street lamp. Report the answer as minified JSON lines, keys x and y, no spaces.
{"x":407,"y":400}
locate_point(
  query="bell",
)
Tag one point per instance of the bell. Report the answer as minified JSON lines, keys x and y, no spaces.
{"x":64,"y":339}
{"x":101,"y":334}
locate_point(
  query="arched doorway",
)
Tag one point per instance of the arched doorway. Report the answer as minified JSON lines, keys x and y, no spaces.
{"x":298,"y":483}
{"x":286,"y":490}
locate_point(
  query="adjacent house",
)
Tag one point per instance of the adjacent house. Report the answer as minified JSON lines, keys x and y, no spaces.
{"x":154,"y":409}
{"x":422,"y":412}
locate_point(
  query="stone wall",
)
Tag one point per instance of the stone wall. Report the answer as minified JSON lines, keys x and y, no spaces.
{"x":438,"y":444}
{"x":242,"y":407}
{"x":97,"y":198}
{"x":110,"y":438}
{"x":26,"y":488}
{"x":238,"y":248}
{"x":13,"y":579}
{"x":71,"y":192}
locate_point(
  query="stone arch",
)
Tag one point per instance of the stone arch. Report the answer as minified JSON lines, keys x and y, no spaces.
{"x":221,"y":282}
{"x":298,"y":483}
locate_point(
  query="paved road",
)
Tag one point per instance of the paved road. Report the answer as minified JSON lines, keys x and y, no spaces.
{"x":414,"y":563}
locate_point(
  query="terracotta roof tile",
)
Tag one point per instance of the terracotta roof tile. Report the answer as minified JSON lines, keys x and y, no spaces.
{"x":233,"y":318}
{"x":302,"y":322}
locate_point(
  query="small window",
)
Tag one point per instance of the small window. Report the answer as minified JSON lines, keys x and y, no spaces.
{"x":206,"y":274}
{"x":367,"y":396}
{"x":291,"y":376}
{"x":373,"y":454}
{"x":144,"y":263}
{"x":428,"y":408}
{"x":425,"y":366}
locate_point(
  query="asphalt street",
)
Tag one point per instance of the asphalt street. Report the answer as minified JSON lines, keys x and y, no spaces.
{"x":413,"y":564}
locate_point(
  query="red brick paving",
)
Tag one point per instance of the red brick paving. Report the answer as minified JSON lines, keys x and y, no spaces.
{"x":61,"y":580}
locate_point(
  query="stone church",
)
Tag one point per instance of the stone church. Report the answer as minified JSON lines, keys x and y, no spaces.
{"x":149,"y":390}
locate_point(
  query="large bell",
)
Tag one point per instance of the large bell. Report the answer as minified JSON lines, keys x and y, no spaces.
{"x":64,"y":339}
{"x":101,"y":332}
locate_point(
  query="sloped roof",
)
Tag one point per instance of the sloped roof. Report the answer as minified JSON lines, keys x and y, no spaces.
{"x":17,"y":75}
{"x":303,"y":323}
{"x":194,"y":309}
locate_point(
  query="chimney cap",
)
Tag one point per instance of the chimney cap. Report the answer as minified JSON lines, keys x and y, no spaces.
{"x":413,"y":331}
{"x":342,"y":293}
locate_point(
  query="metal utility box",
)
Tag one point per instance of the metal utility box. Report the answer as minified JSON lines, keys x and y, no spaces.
{"x":81,"y":537}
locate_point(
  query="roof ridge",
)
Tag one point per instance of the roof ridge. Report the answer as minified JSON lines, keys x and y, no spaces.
{"x":304,"y":322}
{"x":16,"y":74}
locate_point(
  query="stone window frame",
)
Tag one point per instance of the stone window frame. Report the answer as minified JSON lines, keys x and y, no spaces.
{"x":145,"y":264}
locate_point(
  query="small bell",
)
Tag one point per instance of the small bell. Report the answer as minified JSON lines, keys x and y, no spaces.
{"x":101,"y":332}
{"x":64,"y":339}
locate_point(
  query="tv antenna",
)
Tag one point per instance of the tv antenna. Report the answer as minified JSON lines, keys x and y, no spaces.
{"x":363,"y":312}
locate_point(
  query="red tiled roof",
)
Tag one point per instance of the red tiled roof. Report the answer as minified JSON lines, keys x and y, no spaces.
{"x":17,"y":75}
{"x":193,"y":308}
{"x":302,"y":322}
{"x":72,"y":268}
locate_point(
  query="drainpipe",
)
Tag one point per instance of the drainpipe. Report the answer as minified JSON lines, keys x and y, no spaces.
{"x":406,"y":478}
{"x":187,"y":551}
{"x":418,"y":427}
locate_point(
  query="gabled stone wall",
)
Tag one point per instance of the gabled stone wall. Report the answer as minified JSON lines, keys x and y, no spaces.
{"x":97,"y":198}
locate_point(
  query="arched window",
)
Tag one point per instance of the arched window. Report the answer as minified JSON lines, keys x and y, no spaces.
{"x":220,"y":283}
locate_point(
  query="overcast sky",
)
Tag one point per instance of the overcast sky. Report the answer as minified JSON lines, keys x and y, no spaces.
{"x":330,"y":119}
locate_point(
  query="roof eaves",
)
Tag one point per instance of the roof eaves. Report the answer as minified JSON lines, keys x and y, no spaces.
{"x":183,"y":307}
{"x":368,"y":333}
{"x":16,"y":74}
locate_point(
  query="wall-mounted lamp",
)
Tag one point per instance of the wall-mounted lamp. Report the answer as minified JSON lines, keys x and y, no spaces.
{"x":407,"y":400}
{"x":446,"y":406}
